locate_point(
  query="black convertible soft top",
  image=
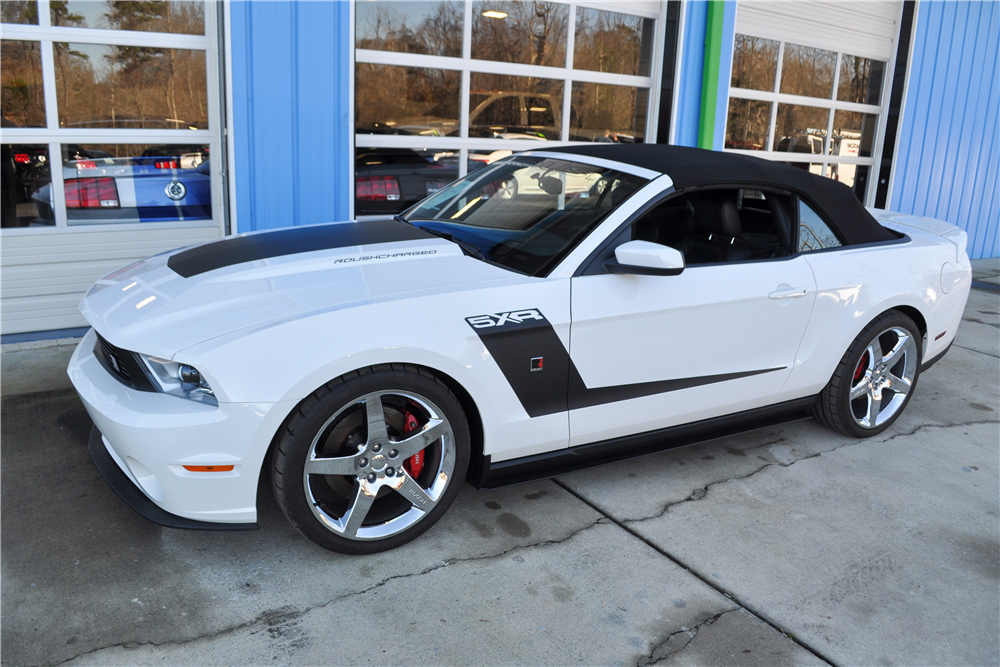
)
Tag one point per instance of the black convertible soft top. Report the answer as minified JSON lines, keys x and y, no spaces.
{"x":695,"y":167}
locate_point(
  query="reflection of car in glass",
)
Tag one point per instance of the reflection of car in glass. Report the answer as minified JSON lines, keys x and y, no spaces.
{"x":552,"y":311}
{"x":148,"y":188}
{"x":388,"y":180}
{"x":510,"y":114}
{"x":803,"y":143}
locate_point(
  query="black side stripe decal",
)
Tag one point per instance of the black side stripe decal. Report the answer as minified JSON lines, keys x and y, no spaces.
{"x":290,"y":241}
{"x":559,"y":387}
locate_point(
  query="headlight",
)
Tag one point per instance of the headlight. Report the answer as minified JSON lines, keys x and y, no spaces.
{"x":179,"y":379}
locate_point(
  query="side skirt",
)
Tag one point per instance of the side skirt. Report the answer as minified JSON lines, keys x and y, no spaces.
{"x":592,"y":455}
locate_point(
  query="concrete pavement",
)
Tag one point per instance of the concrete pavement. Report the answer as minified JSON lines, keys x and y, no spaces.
{"x":790,"y":545}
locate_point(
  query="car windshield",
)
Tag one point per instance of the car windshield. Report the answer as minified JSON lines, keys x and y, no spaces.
{"x":525,"y":213}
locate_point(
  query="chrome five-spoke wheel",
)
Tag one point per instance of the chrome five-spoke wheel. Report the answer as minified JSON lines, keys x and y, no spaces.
{"x":372,"y":463}
{"x":875,"y":378}
{"x":883,"y":377}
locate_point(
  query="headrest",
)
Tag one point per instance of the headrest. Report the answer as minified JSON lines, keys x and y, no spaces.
{"x":716,"y":213}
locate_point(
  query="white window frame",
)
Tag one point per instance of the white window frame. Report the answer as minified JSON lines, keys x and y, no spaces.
{"x":466,"y":65}
{"x":53,"y":136}
{"x":831,"y":104}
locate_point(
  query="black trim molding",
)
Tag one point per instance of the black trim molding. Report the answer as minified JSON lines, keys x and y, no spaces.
{"x":583,"y":457}
{"x":895,"y":104}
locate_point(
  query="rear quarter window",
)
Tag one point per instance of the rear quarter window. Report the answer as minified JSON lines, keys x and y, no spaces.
{"x":814,"y":233}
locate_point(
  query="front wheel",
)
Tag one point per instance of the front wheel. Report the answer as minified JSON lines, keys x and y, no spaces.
{"x":875,"y":378}
{"x":371,"y":460}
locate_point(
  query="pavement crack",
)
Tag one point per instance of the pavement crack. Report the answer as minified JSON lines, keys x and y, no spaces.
{"x":284,"y":615}
{"x":979,"y":351}
{"x":666,"y":648}
{"x":701,"y":492}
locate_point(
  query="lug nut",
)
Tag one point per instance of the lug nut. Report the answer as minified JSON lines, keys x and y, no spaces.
{"x":389,"y":472}
{"x":399,"y":472}
{"x":376,"y":447}
{"x":393,"y":453}
{"x":372,"y":477}
{"x":363,"y":463}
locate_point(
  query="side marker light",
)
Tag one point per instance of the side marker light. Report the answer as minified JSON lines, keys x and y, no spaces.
{"x":209,"y":468}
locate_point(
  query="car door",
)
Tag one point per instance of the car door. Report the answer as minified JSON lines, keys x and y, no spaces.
{"x":657,"y":351}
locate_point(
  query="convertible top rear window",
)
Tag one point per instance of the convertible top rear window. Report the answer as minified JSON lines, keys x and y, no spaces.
{"x":525,"y":213}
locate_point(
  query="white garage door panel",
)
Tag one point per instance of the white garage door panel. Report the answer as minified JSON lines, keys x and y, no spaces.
{"x":856,"y":28}
{"x":46,"y":275}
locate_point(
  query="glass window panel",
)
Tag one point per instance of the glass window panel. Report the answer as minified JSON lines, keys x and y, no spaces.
{"x":755,"y":61}
{"x":21,"y":90}
{"x":612,"y":42}
{"x":175,"y":16}
{"x":130,"y":87}
{"x":405,"y":100}
{"x":800,"y":129}
{"x":130,"y":183}
{"x":807,"y":71}
{"x":514,"y":107}
{"x":390,"y":180}
{"x":533,"y":33}
{"x":814,"y":234}
{"x":19,"y":11}
{"x":607,"y":113}
{"x":433,"y":28}
{"x":860,"y":80}
{"x":747,"y":123}
{"x":24,"y":186}
{"x":853,"y":133}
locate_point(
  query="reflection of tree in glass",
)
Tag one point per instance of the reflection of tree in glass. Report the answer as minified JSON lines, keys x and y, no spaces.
{"x":601,"y":107}
{"x":22,"y":95}
{"x":747,"y":122}
{"x":533,"y":33}
{"x":860,"y":80}
{"x":384,"y":26}
{"x":19,"y":11}
{"x":807,"y":71}
{"x":607,"y":42}
{"x":410,"y":100}
{"x":132,"y":86}
{"x":754,"y":63}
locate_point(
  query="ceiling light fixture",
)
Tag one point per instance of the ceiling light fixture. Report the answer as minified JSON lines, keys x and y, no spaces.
{"x":495,"y":15}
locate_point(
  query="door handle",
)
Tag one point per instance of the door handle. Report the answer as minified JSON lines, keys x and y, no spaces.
{"x":794,"y":293}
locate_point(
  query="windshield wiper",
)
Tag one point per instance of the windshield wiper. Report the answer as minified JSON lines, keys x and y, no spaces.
{"x":466,"y":247}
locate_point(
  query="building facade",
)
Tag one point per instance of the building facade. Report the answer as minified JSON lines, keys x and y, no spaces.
{"x":133,"y":128}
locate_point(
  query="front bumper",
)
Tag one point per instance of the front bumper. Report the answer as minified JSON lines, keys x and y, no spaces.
{"x":137,"y":500}
{"x":150,"y":437}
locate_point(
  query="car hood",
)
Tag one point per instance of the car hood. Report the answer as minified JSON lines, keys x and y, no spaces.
{"x":166,"y":303}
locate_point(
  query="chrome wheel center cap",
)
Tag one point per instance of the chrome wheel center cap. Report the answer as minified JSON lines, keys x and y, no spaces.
{"x":379,"y":462}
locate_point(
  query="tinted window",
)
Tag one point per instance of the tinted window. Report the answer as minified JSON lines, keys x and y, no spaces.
{"x":814,"y":234}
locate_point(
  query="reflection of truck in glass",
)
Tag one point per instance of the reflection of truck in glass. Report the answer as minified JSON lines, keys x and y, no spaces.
{"x":803,"y":143}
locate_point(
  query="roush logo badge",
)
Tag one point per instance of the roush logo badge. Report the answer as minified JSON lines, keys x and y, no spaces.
{"x":512,"y":318}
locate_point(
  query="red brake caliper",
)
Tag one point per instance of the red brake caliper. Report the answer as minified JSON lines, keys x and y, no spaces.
{"x":860,"y":370}
{"x":415,"y":464}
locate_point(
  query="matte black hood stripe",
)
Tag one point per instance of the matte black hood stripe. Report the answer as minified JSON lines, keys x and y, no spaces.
{"x":290,"y":241}
{"x":559,"y":387}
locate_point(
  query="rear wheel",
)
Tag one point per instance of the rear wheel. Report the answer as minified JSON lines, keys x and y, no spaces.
{"x":371,"y":460}
{"x":875,"y":378}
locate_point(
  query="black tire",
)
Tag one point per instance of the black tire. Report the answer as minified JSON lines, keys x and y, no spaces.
{"x":365,"y":492}
{"x":896,"y":340}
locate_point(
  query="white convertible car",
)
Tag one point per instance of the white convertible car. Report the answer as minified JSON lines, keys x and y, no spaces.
{"x":551,"y":312}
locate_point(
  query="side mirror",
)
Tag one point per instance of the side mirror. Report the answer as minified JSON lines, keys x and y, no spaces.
{"x":646,"y":259}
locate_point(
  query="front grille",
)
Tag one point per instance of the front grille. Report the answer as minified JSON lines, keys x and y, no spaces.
{"x":114,"y":358}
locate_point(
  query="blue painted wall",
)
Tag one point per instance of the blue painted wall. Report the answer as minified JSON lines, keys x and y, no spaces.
{"x":290,"y":62}
{"x":949,"y":151}
{"x":725,"y":74}
{"x":693,"y":70}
